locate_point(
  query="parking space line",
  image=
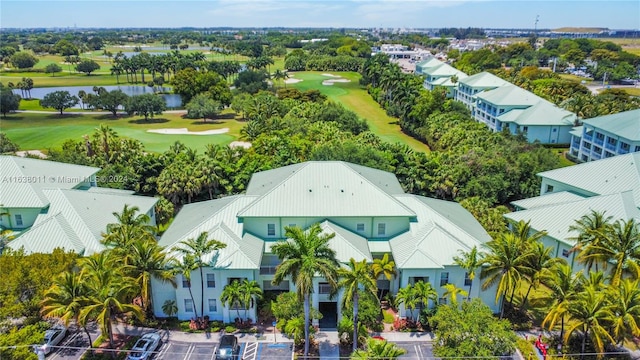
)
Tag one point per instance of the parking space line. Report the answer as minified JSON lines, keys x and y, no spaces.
{"x":163,"y":351}
{"x":66,"y":342}
{"x":213,"y":356}
{"x":190,"y":351}
{"x":250,"y":349}
{"x":419,"y":352}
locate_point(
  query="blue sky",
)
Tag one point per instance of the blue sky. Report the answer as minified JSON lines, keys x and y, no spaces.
{"x":320,"y":13}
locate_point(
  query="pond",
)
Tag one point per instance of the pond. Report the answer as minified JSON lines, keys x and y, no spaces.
{"x":172,"y":100}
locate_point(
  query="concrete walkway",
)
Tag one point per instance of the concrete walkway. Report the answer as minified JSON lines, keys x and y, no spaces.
{"x":328,"y":345}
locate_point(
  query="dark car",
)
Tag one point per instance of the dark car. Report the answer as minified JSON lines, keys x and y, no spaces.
{"x":229,"y":348}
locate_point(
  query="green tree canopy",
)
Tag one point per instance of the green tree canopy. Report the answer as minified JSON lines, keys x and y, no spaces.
{"x":59,"y":100}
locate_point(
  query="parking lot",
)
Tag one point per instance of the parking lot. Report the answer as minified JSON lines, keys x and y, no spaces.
{"x":175,"y":350}
{"x":416,"y":350}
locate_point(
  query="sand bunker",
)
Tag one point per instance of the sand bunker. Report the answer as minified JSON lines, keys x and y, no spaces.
{"x":243,"y":144}
{"x":330,"y":75}
{"x":37,"y":153}
{"x":292,"y":81}
{"x":185,"y":131}
{"x":332,"y":81}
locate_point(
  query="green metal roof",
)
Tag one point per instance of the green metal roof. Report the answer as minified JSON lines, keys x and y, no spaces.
{"x":443,"y":228}
{"x":624,"y":124}
{"x":577,"y":131}
{"x":79,"y":220}
{"x":542,"y":113}
{"x":429,"y":63}
{"x":605,"y":176}
{"x":444,"y":69}
{"x":547,"y":199}
{"x":22,"y":180}
{"x":558,"y":218}
{"x":347,"y":244}
{"x":484,"y":80}
{"x":509,"y":95}
{"x":329,"y":189}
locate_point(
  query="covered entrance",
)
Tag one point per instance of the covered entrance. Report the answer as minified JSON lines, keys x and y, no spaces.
{"x":329,"y":311}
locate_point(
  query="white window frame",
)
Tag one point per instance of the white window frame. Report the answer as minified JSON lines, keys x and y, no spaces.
{"x":209,"y":281}
{"x":186,"y":306}
{"x":19,"y":221}
{"x":382,"y":229}
{"x":215,"y":305}
{"x":271,"y":229}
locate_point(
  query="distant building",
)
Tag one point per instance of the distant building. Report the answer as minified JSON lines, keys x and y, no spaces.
{"x":53,"y":205}
{"x":606,"y":136}
{"x":438,"y":73}
{"x":501,"y":105}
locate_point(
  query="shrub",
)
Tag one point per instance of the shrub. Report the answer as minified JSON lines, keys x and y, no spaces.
{"x":388,"y":318}
{"x":229,"y":329}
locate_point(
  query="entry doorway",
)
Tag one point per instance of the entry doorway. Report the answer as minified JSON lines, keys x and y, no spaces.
{"x":329,"y":311}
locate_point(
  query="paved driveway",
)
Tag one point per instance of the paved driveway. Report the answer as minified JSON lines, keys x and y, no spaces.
{"x":75,"y":344}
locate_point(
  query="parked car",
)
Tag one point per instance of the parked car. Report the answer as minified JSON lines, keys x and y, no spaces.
{"x":229,"y":348}
{"x":53,"y":337}
{"x":145,"y":346}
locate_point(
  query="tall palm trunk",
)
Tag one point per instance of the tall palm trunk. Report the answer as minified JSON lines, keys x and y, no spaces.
{"x":526,"y":297}
{"x":195,"y":308}
{"x":469,"y":295}
{"x":504,"y":299}
{"x":584,"y":342}
{"x":355,"y":321}
{"x":306,"y":325}
{"x":201,"y":292}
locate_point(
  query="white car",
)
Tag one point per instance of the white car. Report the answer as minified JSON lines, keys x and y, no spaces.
{"x":53,"y":337}
{"x":144,"y":347}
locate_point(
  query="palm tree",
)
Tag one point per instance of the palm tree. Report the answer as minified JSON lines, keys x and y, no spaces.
{"x":623,"y":310}
{"x":384,"y":267}
{"x":470,"y":262}
{"x":170,"y":308}
{"x":563,"y":285}
{"x":200,"y":247}
{"x":538,"y":265}
{"x":185,"y":267}
{"x":588,"y":313}
{"x":452,"y":291}
{"x":110,"y":293}
{"x":621,"y":246}
{"x":64,"y":299}
{"x":105,"y":132}
{"x":590,"y":229}
{"x":505,"y":264}
{"x":424,"y":292}
{"x":356,"y":276}
{"x":250,"y":292}
{"x":305,"y":255}
{"x":407,"y":296}
{"x":128,"y":229}
{"x":149,"y":261}
{"x":379,"y":350}
{"x":232,"y":296}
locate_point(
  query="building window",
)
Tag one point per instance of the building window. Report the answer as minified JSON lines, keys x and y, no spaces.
{"x":442,"y":300}
{"x":188,"y":305}
{"x":360,"y":227}
{"x":18,"y":220}
{"x":324,"y":288}
{"x":611,"y":141}
{"x":415,"y":279}
{"x":271,"y":229}
{"x":211,"y":280}
{"x":525,"y":128}
{"x":586,"y":145}
{"x":555,"y":130}
{"x":597,"y":149}
{"x":565,"y":253}
{"x":599,"y":136}
{"x":382,"y":228}
{"x":444,"y":278}
{"x":624,"y":145}
{"x":549,"y":188}
{"x":637,"y":148}
{"x":467,"y":279}
{"x":232,"y":279}
{"x":213,"y":305}
{"x":185,"y":282}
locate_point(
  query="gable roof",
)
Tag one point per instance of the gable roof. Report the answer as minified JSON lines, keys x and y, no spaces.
{"x":429,"y":63}
{"x":605,"y":176}
{"x":443,"y":228}
{"x":484,"y":80}
{"x":547,"y":199}
{"x":542,"y":113}
{"x":444,"y":69}
{"x":624,"y":124}
{"x":328,"y":189}
{"x":346,"y":244}
{"x":80,"y":219}
{"x":557,"y":219}
{"x":17,"y":193}
{"x":509,"y":95}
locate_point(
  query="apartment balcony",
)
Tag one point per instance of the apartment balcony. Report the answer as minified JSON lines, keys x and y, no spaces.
{"x":595,"y":155}
{"x":623,"y":151}
{"x":598,"y":141}
{"x":610,"y":147}
{"x":268,"y":270}
{"x":587,"y":137}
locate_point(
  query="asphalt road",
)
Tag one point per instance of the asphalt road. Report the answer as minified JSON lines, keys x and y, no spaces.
{"x":417,"y":350}
{"x":75,"y":344}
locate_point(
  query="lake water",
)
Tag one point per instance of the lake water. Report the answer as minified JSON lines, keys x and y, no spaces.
{"x":172,"y":100}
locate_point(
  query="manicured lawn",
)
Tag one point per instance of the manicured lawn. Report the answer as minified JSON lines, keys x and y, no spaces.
{"x":44,"y":131}
{"x":355,"y":98}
